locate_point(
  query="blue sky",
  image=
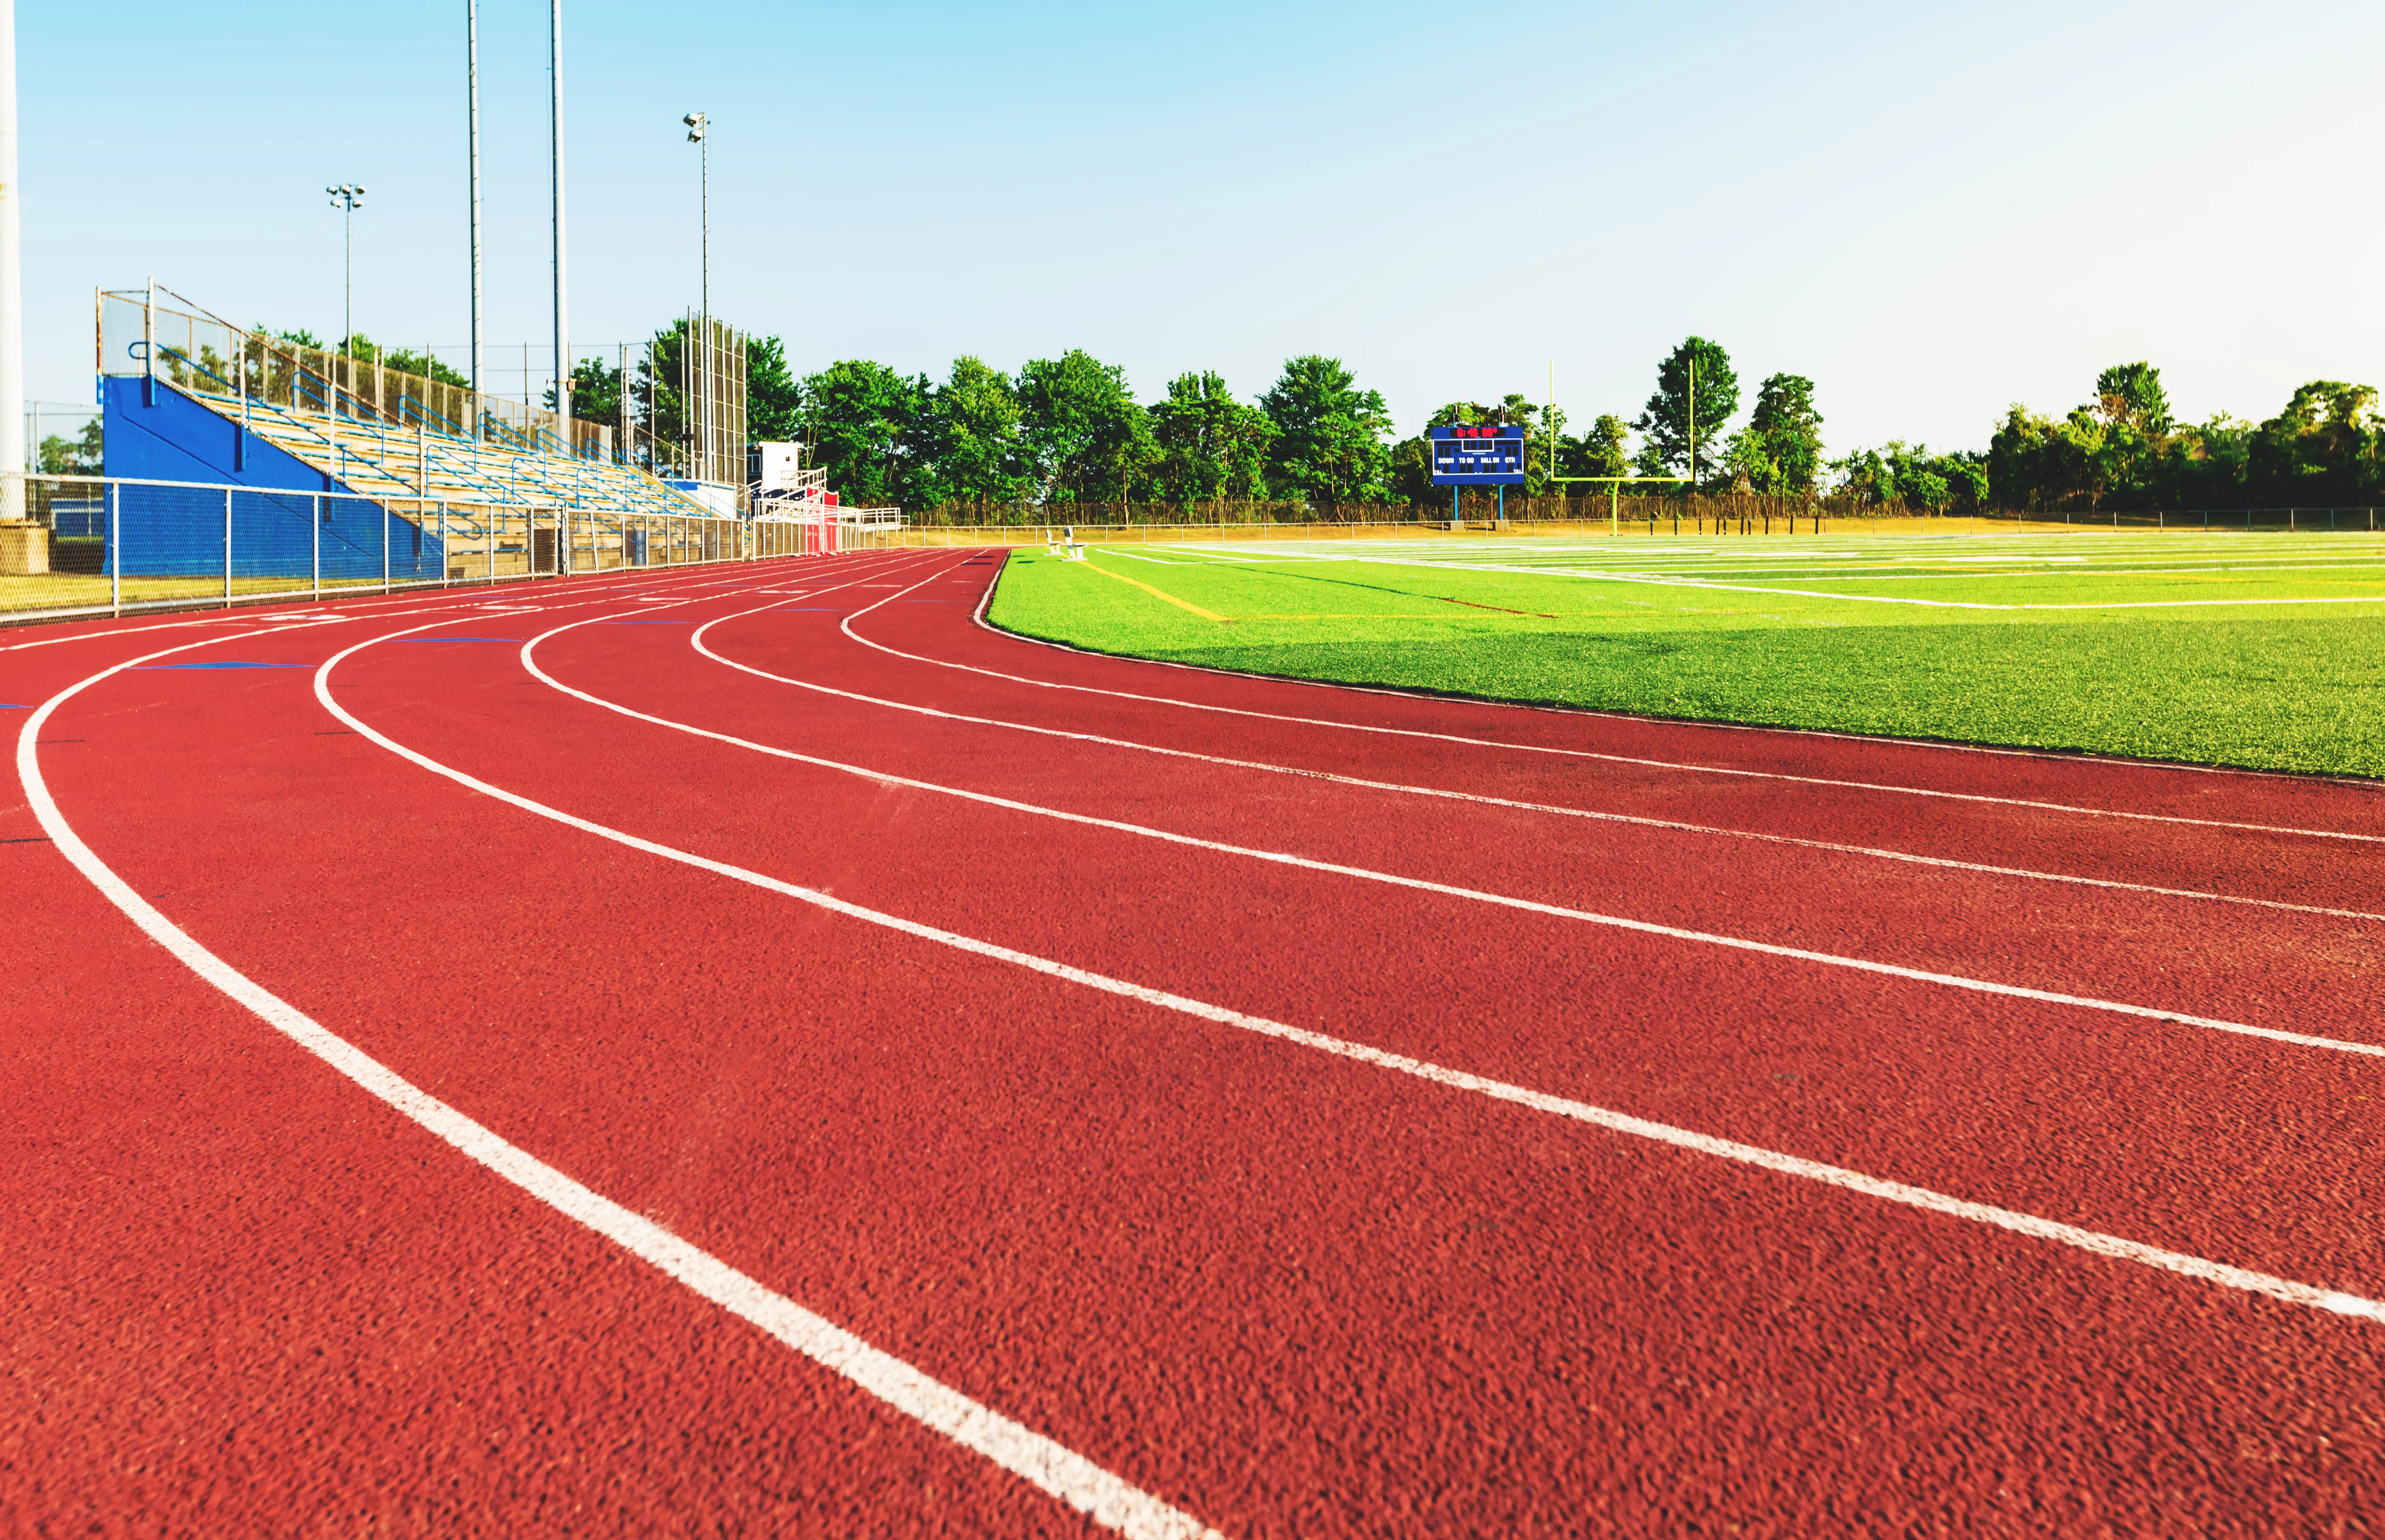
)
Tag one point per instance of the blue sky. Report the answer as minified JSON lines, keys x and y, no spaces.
{"x":1932,"y":211}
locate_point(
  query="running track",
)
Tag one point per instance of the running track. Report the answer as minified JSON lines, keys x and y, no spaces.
{"x":753,"y":1049}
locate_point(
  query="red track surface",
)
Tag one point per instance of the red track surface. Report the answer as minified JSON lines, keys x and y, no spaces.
{"x":1276,"y":1288}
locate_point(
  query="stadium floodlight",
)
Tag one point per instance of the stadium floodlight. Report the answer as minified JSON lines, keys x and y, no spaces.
{"x":346,"y":197}
{"x":697,"y":124}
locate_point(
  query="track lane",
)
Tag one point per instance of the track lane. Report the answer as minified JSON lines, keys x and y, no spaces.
{"x":1522,"y":1456}
{"x":2288,"y":972}
{"x":1466,"y":738}
{"x":1427,"y":1048}
{"x":242,"y":1302}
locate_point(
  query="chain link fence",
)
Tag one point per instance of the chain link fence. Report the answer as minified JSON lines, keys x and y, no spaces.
{"x":115,"y":546}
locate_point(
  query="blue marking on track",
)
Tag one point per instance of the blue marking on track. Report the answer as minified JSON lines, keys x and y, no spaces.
{"x":11,"y":706}
{"x":650,"y":622}
{"x":228,"y":663}
{"x":459,"y":639}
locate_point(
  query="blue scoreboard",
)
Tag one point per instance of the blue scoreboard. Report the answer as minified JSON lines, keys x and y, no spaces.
{"x":1467,"y":456}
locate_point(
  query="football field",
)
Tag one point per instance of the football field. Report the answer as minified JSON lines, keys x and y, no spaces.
{"x":2252,"y":650}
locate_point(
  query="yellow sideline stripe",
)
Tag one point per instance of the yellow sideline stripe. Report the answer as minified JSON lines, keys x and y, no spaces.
{"x":1204,"y":614}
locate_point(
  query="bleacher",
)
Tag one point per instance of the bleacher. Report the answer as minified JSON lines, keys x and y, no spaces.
{"x":404,"y":441}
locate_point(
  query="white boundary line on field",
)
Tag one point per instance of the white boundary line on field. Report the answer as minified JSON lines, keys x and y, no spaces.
{"x":1062,"y":1472}
{"x":696,"y":640}
{"x":2118,"y":1249}
{"x":1590,"y":754}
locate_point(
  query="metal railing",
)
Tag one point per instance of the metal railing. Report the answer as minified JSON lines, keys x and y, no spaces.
{"x":119,"y":545}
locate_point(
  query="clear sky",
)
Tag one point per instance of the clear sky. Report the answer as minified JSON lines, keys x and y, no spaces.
{"x":1931,"y":210}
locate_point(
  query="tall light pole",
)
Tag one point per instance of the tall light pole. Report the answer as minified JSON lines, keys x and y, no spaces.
{"x":562,"y":308}
{"x":472,"y":136}
{"x":12,"y":283}
{"x":697,"y":124}
{"x":346,"y":197}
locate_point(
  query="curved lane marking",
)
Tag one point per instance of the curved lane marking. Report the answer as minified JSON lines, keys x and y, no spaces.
{"x":1042,"y":1461}
{"x":1576,"y":753}
{"x":2118,"y":1249}
{"x":1674,"y":825}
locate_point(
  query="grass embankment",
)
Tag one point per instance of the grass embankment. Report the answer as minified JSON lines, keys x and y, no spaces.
{"x":2254,"y":650}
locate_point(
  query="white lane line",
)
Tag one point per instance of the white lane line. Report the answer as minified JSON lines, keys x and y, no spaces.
{"x":1586,"y":714}
{"x":2115,"y":1247}
{"x":1420,"y":884}
{"x":1574,"y":753}
{"x":1051,"y":1465}
{"x":696,"y":640}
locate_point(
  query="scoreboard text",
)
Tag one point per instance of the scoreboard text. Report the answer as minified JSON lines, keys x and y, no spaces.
{"x":1468,"y":456}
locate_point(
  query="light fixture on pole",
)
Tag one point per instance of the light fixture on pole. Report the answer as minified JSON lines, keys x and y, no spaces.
{"x":562,"y":292}
{"x":697,"y":124}
{"x":472,"y":138}
{"x":346,"y":197}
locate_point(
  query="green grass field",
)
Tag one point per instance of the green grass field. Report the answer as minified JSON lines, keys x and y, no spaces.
{"x":2242,"y":649}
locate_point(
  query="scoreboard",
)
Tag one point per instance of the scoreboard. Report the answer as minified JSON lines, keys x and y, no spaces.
{"x":1463,"y":455}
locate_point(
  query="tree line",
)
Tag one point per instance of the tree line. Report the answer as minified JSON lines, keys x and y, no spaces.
{"x":1070,"y":429}
{"x":985,"y":444}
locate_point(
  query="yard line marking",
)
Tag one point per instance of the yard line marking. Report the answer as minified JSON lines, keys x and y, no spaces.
{"x":1107,"y":1499}
{"x":1589,"y":714}
{"x":1450,"y":890}
{"x":1572,"y":752}
{"x":697,"y":642}
{"x":2118,"y":1249}
{"x":1180,"y":604}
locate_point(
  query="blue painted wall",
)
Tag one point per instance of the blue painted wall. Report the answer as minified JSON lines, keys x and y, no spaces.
{"x":177,"y":531}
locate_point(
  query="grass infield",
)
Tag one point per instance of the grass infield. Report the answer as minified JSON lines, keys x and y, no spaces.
{"x":2260,"y":650}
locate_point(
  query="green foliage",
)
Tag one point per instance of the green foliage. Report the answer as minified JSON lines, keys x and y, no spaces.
{"x":976,"y":428}
{"x":1913,"y":475}
{"x":1329,"y":445}
{"x":79,"y":456}
{"x":862,"y":420}
{"x":595,"y":392}
{"x":1210,"y":445}
{"x":1084,"y":436}
{"x":1779,"y":454}
{"x":1697,"y":393}
{"x":2123,"y":451}
{"x":774,"y":397}
{"x":2132,"y":394}
{"x":428,"y":368}
{"x":1605,"y":450}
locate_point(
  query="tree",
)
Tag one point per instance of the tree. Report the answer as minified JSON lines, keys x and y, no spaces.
{"x":1084,"y":435}
{"x":774,"y":397}
{"x":595,"y":392}
{"x":1779,"y":451}
{"x":80,"y":456}
{"x":2132,"y":394}
{"x":1211,"y":446}
{"x":977,"y":435}
{"x":2322,"y":448}
{"x":1696,"y":394}
{"x":860,"y":419}
{"x":1603,"y":451}
{"x":1329,"y":445}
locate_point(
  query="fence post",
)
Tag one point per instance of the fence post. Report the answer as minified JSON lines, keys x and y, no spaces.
{"x":384,"y":547}
{"x":443,"y":543}
{"x":315,"y":523}
{"x":116,"y":548}
{"x":227,"y":547}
